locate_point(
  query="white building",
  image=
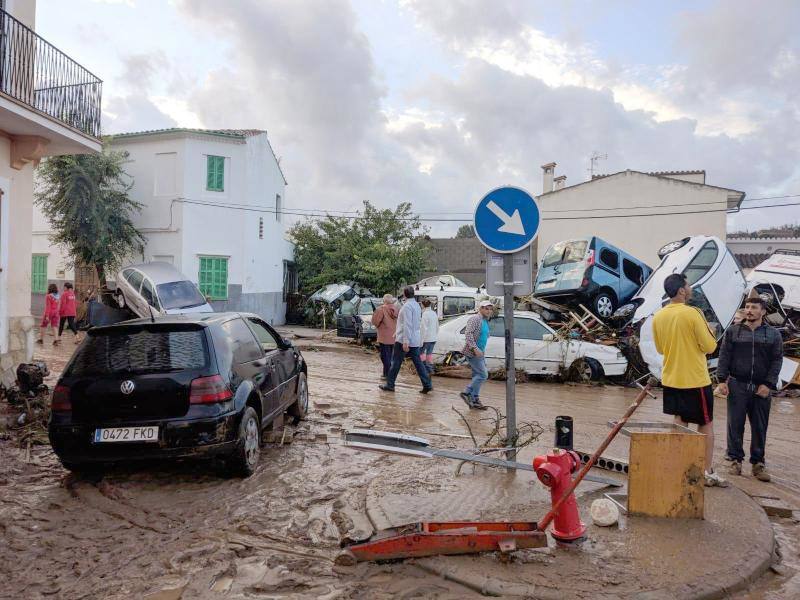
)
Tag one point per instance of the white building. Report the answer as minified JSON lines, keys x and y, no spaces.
{"x":49,"y":105}
{"x":638,"y":212}
{"x":212,"y":207}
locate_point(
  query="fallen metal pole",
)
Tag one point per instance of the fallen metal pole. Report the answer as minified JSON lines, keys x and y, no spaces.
{"x":547,"y":519}
{"x":418,"y":447}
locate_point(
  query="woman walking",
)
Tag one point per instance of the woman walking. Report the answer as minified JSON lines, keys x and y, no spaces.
{"x":50,"y":318}
{"x":429,"y":329}
{"x":385,"y":321}
{"x":67,"y":309}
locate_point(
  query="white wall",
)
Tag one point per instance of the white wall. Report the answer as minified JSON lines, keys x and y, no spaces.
{"x":585,"y":213}
{"x":169,"y":171}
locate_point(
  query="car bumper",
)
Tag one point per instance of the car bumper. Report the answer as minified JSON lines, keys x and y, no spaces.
{"x":176,"y":438}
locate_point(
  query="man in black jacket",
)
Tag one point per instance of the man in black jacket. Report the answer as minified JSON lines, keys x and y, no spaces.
{"x":750,"y":358}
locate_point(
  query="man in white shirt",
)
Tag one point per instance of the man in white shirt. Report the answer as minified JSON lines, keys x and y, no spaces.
{"x":407,"y":344}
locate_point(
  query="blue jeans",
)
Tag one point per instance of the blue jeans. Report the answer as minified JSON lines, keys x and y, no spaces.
{"x":479,"y":375}
{"x":397,"y":360}
{"x":427,"y":353}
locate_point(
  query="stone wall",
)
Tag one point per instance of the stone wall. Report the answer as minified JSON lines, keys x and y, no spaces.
{"x":21,"y":332}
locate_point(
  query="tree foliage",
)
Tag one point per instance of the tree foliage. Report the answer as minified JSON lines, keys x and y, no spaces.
{"x":381,"y":249}
{"x":465,"y":231}
{"x":85,"y":199}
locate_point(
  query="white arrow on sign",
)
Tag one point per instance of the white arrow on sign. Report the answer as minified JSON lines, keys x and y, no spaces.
{"x":511,"y":224}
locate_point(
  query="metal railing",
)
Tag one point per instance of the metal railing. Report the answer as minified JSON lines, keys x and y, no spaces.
{"x":38,"y":74}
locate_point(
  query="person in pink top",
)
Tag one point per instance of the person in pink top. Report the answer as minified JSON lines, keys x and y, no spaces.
{"x":385,"y":321}
{"x":50,"y":317}
{"x":67,"y":309}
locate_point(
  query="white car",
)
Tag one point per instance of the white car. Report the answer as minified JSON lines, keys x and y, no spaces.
{"x":779,"y":276}
{"x":158,"y":288}
{"x":449,"y":295}
{"x":536,"y":351}
{"x":718,"y":288}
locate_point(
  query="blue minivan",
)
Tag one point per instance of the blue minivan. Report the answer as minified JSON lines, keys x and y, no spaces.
{"x":591,"y":272}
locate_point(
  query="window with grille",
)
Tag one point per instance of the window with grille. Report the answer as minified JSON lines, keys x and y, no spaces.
{"x":39,"y":274}
{"x":261,"y":228}
{"x":213,"y":277}
{"x":215,"y":173}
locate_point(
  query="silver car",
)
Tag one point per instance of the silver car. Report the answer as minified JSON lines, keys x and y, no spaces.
{"x":158,"y":288}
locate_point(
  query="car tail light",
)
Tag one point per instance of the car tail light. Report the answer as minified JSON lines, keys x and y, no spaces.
{"x":208,"y":390}
{"x":590,"y":258}
{"x":585,"y":282}
{"x":61,"y":401}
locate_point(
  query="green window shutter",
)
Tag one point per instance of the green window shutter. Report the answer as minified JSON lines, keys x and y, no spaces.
{"x":215,"y":173}
{"x":220,"y":176}
{"x":39,"y":274}
{"x":213,"y":277}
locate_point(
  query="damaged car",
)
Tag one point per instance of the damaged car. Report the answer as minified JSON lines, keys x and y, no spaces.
{"x":718,"y":288}
{"x":354,"y":319}
{"x":777,"y":279}
{"x":158,"y":288}
{"x":592,"y":272}
{"x":538,"y":350}
{"x":202,"y":385}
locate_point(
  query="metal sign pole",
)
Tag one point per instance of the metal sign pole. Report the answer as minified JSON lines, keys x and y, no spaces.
{"x":511,"y":379}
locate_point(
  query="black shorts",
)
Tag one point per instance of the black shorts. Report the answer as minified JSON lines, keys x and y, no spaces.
{"x":693,"y":405}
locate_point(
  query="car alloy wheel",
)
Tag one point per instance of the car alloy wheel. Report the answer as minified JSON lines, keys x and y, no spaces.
{"x":303,"y":394}
{"x":604,"y":306}
{"x":251,"y":442}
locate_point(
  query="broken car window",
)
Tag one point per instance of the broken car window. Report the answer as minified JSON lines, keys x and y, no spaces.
{"x":565,"y":252}
{"x":701,"y":263}
{"x":456,"y":305}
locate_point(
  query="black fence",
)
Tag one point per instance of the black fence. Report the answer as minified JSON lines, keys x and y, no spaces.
{"x":38,"y":74}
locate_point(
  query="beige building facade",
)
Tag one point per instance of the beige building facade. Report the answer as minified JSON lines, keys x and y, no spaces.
{"x":638,"y":212}
{"x":49,"y":105}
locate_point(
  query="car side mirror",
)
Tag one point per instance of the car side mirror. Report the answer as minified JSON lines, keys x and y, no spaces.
{"x":548,"y":337}
{"x":287,"y":343}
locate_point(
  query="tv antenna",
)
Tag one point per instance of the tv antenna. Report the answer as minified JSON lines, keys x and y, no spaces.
{"x":593,"y":159}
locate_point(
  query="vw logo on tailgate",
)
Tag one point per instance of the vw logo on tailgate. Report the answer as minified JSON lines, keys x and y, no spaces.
{"x":127,"y":387}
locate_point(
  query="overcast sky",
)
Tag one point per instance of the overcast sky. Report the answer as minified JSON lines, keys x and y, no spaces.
{"x":438,"y":101}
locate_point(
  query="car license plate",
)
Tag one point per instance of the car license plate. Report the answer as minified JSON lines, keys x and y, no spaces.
{"x":126,"y":434}
{"x":547,"y":285}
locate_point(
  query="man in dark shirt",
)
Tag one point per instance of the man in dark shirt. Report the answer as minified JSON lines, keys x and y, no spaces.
{"x":750,"y":359}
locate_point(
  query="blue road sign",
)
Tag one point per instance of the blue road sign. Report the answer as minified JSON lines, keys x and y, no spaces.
{"x":507,"y":220}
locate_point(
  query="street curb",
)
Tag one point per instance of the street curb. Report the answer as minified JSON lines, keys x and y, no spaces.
{"x":722,"y":584}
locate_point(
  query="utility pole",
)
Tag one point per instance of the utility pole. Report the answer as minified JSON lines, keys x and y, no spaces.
{"x":593,"y":159}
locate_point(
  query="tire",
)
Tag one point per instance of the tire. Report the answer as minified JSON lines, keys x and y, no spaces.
{"x":604,"y":305}
{"x":299,"y":409}
{"x":586,"y":369}
{"x":360,"y":338}
{"x":244,"y":460}
{"x":672,"y":246}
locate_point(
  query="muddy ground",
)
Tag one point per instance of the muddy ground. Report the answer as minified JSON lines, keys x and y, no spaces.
{"x":181,"y":530}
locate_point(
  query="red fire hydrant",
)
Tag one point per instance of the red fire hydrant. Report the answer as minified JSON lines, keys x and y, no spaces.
{"x":555,"y":471}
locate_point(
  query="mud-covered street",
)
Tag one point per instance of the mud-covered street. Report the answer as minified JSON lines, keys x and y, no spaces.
{"x":181,"y":530}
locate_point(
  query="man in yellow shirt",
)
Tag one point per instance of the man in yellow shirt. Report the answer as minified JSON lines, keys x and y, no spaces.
{"x":683,"y":337}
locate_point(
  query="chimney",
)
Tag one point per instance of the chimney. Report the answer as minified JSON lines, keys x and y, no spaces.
{"x":548,"y":171}
{"x":560,"y":182}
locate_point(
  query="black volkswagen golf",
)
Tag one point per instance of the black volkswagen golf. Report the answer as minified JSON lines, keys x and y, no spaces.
{"x":176,"y":386}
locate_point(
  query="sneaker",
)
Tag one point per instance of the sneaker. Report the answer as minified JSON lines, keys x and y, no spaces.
{"x":760,"y":472}
{"x":713,"y":479}
{"x":476,"y":403}
{"x":734,"y":467}
{"x":467,"y":399}
{"x":386,"y":388}
{"x":56,"y":342}
{"x":425,"y":390}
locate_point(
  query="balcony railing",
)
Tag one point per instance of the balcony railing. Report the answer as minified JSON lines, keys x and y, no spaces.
{"x":38,"y":74}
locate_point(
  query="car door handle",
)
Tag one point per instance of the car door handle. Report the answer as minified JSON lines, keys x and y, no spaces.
{"x":260,"y":363}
